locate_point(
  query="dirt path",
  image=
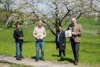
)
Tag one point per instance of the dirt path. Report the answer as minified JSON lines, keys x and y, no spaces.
{"x":35,"y":64}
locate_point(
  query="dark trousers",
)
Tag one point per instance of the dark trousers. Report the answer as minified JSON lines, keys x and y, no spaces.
{"x":61,"y":51}
{"x":75,"y":48}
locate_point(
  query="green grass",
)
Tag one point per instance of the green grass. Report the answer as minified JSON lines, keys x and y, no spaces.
{"x":90,"y":24}
{"x":89,"y":47}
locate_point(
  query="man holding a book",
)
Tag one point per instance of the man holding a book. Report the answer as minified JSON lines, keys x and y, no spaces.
{"x":39,"y":33}
{"x":18,"y":36}
{"x":76,"y":31}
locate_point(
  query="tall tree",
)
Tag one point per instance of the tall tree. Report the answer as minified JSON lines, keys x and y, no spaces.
{"x":7,"y":6}
{"x":64,"y":10}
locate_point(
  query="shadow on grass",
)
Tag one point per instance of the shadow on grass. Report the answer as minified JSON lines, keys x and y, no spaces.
{"x":66,"y":59}
{"x":14,"y":56}
{"x":33,"y":57}
{"x":55,"y":55}
{"x":34,"y":41}
{"x":63,"y":59}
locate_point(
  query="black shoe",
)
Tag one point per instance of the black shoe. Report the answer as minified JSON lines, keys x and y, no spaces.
{"x":76,"y":63}
{"x":18,"y":59}
{"x":36,"y":60}
{"x":43,"y":59}
{"x":22,"y":57}
{"x":64,"y":56}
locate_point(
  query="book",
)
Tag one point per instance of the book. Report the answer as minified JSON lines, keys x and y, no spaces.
{"x":68,"y":33}
{"x":40,"y":36}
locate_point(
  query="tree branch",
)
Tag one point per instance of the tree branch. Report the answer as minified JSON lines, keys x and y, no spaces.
{"x":64,"y":16}
{"x":79,"y":15}
{"x":92,"y":7}
{"x":50,"y":28}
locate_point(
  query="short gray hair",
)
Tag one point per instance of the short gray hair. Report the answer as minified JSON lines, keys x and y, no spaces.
{"x":40,"y":21}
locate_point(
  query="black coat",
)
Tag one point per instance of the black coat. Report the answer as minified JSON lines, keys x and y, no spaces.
{"x":17,"y":34}
{"x":62,"y":40}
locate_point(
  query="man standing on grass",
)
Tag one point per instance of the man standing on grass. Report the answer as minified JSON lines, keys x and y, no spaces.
{"x":76,"y":38}
{"x":39,"y":42}
{"x":18,"y":35}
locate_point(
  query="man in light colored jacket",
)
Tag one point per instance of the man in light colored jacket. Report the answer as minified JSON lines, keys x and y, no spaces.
{"x":39,"y":41}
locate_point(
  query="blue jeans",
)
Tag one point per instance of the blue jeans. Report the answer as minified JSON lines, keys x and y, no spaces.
{"x":38,"y":44}
{"x":19,"y":45}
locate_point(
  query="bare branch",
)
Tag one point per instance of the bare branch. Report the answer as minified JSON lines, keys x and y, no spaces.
{"x":65,"y":16}
{"x":50,"y":28}
{"x":91,"y":6}
{"x":79,"y":15}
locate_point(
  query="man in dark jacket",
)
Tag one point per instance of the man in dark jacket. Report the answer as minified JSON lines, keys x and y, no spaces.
{"x":18,"y":35}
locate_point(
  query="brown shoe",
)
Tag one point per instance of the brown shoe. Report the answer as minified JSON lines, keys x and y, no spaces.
{"x":76,"y":63}
{"x":22,"y":57}
{"x":18,"y":59}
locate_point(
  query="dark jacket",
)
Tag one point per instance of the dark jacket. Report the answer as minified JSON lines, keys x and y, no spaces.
{"x":62,"y":40}
{"x":17,"y":34}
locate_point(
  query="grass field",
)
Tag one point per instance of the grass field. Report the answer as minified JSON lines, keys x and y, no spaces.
{"x":89,"y":47}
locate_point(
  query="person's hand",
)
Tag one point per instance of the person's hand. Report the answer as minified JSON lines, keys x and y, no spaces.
{"x":43,"y":37}
{"x":73,"y":33}
{"x":21,"y":38}
{"x":39,"y":39}
{"x":35,"y":38}
{"x":63,"y":44}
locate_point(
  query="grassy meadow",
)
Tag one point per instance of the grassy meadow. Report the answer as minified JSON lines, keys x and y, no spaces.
{"x":89,"y":52}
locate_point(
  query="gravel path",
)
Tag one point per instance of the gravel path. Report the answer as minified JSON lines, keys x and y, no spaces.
{"x":35,"y":64}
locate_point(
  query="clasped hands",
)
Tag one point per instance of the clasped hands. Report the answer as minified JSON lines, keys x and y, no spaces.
{"x":21,"y":38}
{"x":38,"y":39}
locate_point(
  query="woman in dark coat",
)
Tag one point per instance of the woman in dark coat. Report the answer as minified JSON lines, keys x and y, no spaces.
{"x":61,"y":41}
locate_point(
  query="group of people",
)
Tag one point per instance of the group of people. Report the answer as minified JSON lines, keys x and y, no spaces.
{"x":76,"y":31}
